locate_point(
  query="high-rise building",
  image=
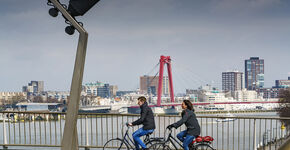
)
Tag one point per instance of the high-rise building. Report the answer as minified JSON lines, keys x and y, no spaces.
{"x":34,"y":87}
{"x":232,"y":81}
{"x":254,"y":73}
{"x":165,"y":85}
{"x":113,"y":90}
{"x":149,"y":85}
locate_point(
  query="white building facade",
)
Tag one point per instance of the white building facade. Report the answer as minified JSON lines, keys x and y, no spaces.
{"x":246,"y":95}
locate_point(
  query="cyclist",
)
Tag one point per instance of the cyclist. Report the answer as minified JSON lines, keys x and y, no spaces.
{"x":146,"y":119}
{"x":191,"y":123}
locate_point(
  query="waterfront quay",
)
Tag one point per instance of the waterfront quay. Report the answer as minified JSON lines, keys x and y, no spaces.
{"x":242,"y":131}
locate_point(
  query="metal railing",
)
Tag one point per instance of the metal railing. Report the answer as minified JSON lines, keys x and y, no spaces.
{"x":46,"y":129}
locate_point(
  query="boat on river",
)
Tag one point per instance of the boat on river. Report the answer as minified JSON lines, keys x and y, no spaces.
{"x":226,"y":118}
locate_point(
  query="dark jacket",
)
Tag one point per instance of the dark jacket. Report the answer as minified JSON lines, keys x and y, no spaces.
{"x":146,"y":119}
{"x":190,"y":121}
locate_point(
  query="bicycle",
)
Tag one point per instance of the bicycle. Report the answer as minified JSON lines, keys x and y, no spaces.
{"x":127,"y":143}
{"x":198,"y":144}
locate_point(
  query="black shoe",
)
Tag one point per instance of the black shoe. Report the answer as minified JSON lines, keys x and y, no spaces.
{"x":190,"y":145}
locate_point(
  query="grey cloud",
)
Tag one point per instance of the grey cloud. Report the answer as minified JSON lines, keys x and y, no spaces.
{"x":244,"y":5}
{"x":127,"y":37}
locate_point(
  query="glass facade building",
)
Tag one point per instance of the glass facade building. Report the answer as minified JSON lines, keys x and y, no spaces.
{"x":254,"y":73}
{"x":104,"y":91}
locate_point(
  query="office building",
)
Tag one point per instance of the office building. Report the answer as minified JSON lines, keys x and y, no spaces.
{"x":149,"y":85}
{"x":92,"y":88}
{"x":104,"y":91}
{"x":11,"y":97}
{"x":100,"y":89}
{"x":113,"y":90}
{"x":232,"y":81}
{"x":254,"y":73}
{"x":245,"y":95}
{"x":34,"y":88}
{"x":58,"y":95}
{"x":269,"y":93}
{"x":282,"y":83}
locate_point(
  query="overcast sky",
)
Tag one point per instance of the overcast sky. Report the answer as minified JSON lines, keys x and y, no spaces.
{"x":126,"y":38}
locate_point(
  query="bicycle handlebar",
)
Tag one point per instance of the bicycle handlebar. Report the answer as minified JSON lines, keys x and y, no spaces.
{"x":169,"y":129}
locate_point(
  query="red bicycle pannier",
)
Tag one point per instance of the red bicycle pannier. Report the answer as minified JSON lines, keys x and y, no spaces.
{"x":197,"y":139}
{"x":207,"y":139}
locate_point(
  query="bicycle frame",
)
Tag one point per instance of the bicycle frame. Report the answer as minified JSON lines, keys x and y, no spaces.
{"x":172,"y":139}
{"x":130,"y":141}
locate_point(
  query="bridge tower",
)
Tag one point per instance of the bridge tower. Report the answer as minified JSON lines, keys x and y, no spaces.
{"x":165,"y":60}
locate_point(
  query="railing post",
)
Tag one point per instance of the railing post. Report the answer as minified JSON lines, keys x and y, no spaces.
{"x":254,"y":143}
{"x":4,"y":132}
{"x":87,"y":133}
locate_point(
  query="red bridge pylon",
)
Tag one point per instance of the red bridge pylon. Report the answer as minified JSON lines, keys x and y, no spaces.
{"x":165,"y":60}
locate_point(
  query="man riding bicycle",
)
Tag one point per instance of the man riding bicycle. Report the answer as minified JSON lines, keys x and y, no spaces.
{"x":191,"y":123}
{"x":146,"y":119}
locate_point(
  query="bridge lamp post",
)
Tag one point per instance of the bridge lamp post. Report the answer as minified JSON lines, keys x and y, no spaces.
{"x":75,"y":8}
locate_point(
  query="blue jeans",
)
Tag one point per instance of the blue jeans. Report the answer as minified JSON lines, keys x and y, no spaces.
{"x":185,"y":139}
{"x":136,"y":136}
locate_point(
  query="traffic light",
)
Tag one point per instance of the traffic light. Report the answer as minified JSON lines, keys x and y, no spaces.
{"x":80,"y":7}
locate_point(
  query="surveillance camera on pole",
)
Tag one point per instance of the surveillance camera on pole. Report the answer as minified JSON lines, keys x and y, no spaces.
{"x":70,"y":30}
{"x":75,"y":8}
{"x":53,"y":12}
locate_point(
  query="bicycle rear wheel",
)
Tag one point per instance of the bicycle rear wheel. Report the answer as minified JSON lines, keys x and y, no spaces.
{"x":203,"y":147}
{"x":115,"y":144}
{"x":159,"y":146}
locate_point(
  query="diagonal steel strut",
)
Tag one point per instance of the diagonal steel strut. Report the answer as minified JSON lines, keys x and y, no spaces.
{"x":70,"y":137}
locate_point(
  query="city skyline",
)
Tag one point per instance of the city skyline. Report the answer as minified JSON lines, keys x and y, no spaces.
{"x":126,"y":39}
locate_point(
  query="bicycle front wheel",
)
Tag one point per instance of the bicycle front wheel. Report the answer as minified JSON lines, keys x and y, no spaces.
{"x":115,"y":144}
{"x":159,"y":146}
{"x":153,"y":141}
{"x":203,"y":147}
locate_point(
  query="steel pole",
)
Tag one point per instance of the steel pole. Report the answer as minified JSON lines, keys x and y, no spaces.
{"x":70,"y":137}
{"x":160,"y":80}
{"x":169,"y":70}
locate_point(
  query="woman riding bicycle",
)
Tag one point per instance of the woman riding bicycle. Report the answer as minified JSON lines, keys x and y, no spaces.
{"x":191,"y":123}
